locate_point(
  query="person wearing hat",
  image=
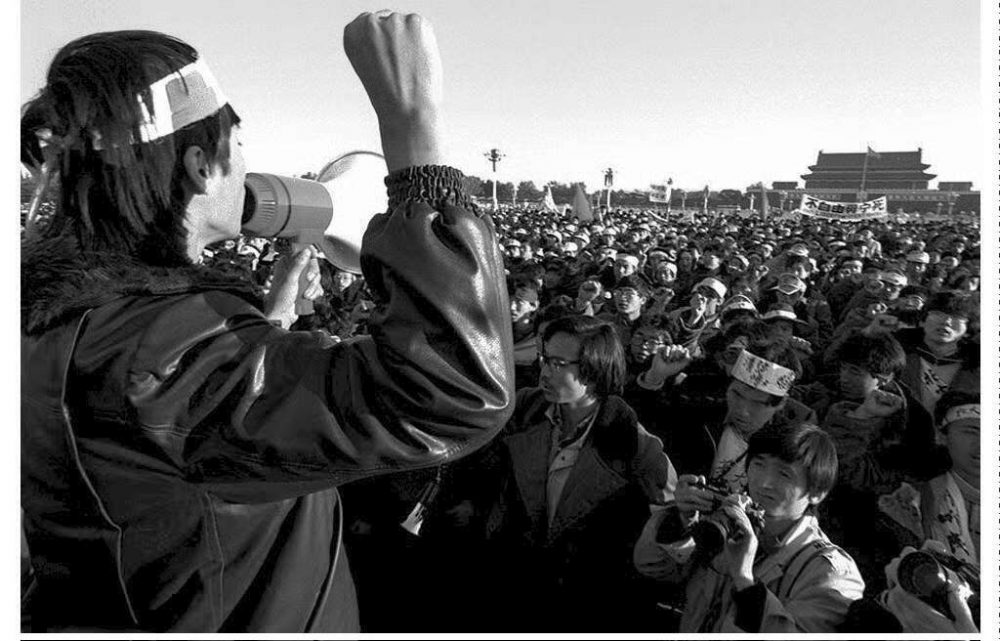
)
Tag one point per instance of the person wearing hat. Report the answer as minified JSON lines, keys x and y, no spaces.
{"x":626,"y":263}
{"x":883,"y":290}
{"x":687,"y":324}
{"x":916,"y":266}
{"x":811,"y":309}
{"x":939,"y":354}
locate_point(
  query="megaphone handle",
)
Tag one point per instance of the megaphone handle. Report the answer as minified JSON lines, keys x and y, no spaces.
{"x":303,"y":307}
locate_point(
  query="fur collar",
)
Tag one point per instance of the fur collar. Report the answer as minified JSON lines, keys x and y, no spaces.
{"x":59,"y":281}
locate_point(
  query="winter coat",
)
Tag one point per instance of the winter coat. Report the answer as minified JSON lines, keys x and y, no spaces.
{"x":805,"y":585}
{"x":575,"y":574}
{"x":181,"y":453}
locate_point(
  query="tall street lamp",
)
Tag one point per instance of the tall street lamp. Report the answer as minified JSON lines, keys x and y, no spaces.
{"x":494,"y":156}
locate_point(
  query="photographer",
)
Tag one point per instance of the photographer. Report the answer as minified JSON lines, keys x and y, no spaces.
{"x":779,"y":575}
{"x":180,"y":449}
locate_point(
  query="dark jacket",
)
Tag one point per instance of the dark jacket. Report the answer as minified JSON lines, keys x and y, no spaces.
{"x":577,"y":574}
{"x":967,"y":356}
{"x":180,"y":453}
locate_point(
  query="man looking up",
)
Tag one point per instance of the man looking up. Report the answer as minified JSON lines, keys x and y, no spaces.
{"x":180,"y":449}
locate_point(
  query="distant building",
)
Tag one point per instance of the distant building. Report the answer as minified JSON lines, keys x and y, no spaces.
{"x":884,"y":170}
{"x":900,"y":176}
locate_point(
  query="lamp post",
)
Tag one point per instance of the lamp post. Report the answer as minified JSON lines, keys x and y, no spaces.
{"x":952,"y":197}
{"x":494,"y":156}
{"x":609,"y":180}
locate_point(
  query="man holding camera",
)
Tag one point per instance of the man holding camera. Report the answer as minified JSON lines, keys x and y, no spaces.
{"x":180,"y":449}
{"x":756,"y":561}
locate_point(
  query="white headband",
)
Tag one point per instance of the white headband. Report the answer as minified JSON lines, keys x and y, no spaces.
{"x":960,"y":412}
{"x":179,"y":99}
{"x":763,"y":375}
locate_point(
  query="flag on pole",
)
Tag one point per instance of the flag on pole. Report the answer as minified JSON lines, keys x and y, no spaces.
{"x":661,"y":193}
{"x":581,"y":205}
{"x":872,"y":153}
{"x":548,"y":204}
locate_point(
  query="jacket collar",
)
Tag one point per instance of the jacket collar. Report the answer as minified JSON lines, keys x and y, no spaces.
{"x":59,"y":281}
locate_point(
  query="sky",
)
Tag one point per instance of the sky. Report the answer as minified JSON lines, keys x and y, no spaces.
{"x":719,"y":92}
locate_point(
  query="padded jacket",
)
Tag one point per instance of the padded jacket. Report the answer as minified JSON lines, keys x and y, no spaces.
{"x":180,"y":453}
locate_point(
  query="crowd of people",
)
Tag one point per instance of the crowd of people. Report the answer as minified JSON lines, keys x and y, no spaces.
{"x":874,"y":326}
{"x":511,"y":421}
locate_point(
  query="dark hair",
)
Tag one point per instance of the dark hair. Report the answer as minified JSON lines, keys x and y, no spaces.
{"x":802,"y":443}
{"x":952,"y":303}
{"x":124,"y":196}
{"x":953,"y":398}
{"x":879,"y":354}
{"x":602,"y":358}
{"x":637,"y":283}
{"x":556,"y":309}
{"x":791,"y":260}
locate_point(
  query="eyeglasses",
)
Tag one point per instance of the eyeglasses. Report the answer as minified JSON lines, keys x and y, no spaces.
{"x":554,"y":362}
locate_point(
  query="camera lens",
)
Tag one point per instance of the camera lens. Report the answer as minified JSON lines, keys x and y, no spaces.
{"x":921,"y":575}
{"x":709,"y":536}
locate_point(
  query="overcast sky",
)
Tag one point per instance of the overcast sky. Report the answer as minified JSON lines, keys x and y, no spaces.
{"x":705,"y":91}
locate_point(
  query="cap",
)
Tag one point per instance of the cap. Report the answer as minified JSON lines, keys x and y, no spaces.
{"x":781,"y":312}
{"x":799,"y":249}
{"x":919,"y":257}
{"x":893,"y":277}
{"x":737,"y":303}
{"x":789,"y":284}
{"x":714,"y":284}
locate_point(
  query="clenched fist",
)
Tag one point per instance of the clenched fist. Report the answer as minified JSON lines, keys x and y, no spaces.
{"x":396,"y":57}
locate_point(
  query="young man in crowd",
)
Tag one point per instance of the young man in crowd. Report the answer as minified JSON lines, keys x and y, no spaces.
{"x":181,"y":449}
{"x":716,"y":449}
{"x":776,"y":574}
{"x":939,"y":356}
{"x":576,"y":474}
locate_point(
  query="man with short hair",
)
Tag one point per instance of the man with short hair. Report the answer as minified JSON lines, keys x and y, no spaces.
{"x":939,"y":356}
{"x":781,"y":574}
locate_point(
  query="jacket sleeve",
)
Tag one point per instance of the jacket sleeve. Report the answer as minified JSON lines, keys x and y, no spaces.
{"x":257,"y":413}
{"x":654,"y":472}
{"x":670,"y":562}
{"x":818,"y":600}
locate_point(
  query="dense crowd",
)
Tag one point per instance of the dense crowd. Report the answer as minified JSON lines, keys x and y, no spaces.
{"x":512,"y":422}
{"x":877,"y":321}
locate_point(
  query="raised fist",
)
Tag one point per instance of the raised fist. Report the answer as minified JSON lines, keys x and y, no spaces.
{"x":396,"y":57}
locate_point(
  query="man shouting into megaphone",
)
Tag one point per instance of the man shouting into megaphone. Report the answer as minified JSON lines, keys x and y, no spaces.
{"x":180,"y":448}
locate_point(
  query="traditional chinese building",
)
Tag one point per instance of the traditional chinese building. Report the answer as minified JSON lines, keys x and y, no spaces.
{"x":900,"y":176}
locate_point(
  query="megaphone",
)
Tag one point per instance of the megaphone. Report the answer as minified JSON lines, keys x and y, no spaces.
{"x":331,"y":212}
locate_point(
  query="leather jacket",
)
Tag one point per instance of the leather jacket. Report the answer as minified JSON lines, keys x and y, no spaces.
{"x":180,"y":452}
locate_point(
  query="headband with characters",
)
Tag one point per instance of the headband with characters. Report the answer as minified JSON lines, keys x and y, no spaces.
{"x":961,"y":412}
{"x":763,"y":375}
{"x":179,"y":99}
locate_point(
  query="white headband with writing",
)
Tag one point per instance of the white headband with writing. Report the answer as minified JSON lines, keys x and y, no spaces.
{"x":961,"y":412}
{"x":179,"y":99}
{"x":762,"y":374}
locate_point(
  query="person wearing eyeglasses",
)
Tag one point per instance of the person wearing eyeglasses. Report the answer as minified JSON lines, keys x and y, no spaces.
{"x":579,"y":476}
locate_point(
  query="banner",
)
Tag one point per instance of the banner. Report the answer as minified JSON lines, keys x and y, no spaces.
{"x":661,"y":193}
{"x":812,"y":206}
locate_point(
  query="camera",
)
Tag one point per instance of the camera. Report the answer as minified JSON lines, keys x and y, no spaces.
{"x":714,"y":528}
{"x":930,"y":577}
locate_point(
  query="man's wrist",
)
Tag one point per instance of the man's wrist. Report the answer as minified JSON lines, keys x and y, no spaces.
{"x":413,"y":140}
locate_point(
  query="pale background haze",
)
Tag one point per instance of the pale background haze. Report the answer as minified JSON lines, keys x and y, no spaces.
{"x":715,"y":92}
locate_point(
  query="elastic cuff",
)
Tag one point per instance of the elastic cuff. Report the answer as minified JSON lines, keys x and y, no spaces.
{"x":436,"y":185}
{"x":749,"y":604}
